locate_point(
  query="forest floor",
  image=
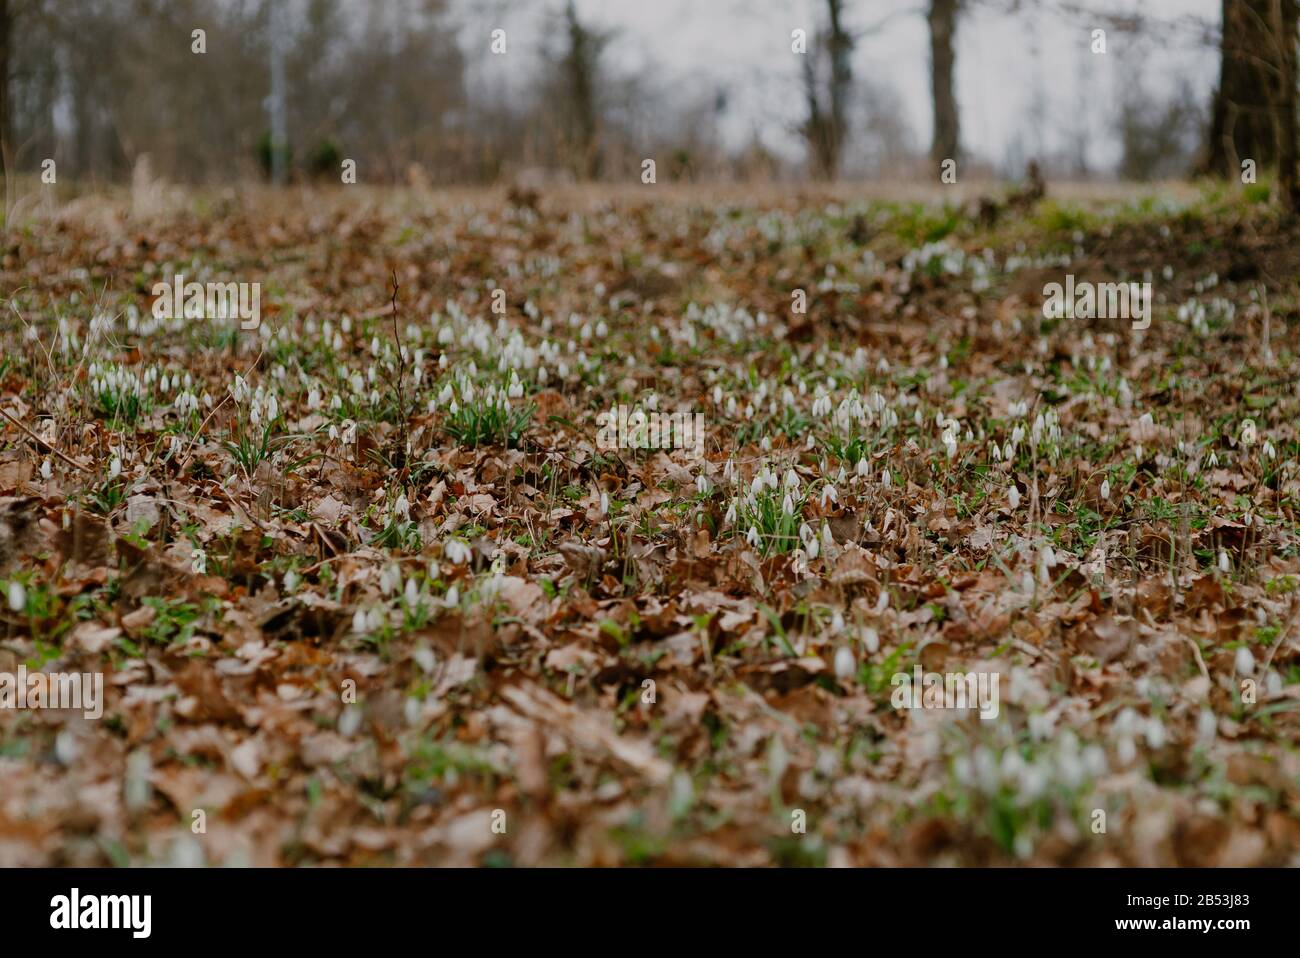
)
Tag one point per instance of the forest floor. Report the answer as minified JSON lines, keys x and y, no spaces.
{"x":366,"y":586}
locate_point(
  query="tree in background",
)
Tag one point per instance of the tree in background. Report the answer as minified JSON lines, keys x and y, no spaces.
{"x":581,"y":64}
{"x":828,"y":97}
{"x":1253,"y":113}
{"x":946,"y":144}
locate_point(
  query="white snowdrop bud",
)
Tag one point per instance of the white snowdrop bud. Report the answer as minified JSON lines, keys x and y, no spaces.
{"x":46,"y":471}
{"x":456,"y":552}
{"x":1013,"y":497}
{"x":1225,"y":566}
{"x":453,"y":596}
{"x":1207,"y":726}
{"x":884,"y":477}
{"x":359,"y":621}
{"x":1105,"y":489}
{"x":604,"y":504}
{"x":1245,"y":661}
{"x":862,"y":469}
{"x":17,"y":596}
{"x":845,"y":664}
{"x":1155,"y":733}
{"x":871,"y":639}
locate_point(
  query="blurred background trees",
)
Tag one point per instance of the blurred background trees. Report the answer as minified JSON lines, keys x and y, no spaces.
{"x":398,"y":86}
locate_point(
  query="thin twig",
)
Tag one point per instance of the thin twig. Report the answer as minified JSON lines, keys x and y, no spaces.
{"x":42,"y":443}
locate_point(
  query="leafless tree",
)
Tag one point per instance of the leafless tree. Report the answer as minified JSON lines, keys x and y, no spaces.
{"x":946,"y":143}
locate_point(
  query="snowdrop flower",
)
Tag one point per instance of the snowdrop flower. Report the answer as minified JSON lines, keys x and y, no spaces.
{"x":1105,"y":489}
{"x":402,"y":508}
{"x":1207,"y":726}
{"x":791,"y":479}
{"x":359,"y":621}
{"x":752,"y":537}
{"x":871,"y":639}
{"x":412,"y":592}
{"x":829,"y":495}
{"x":1155,"y":733}
{"x":17,"y":596}
{"x":787,"y":505}
{"x":604,"y":503}
{"x":1013,"y":497}
{"x":1225,"y":566}
{"x":731,"y":512}
{"x":702,"y":484}
{"x":291,"y":581}
{"x":1268,"y":450}
{"x":862,"y":469}
{"x":884,"y":478}
{"x":453,"y":596}
{"x":456,"y":551}
{"x":845,"y":664}
{"x":46,"y":471}
{"x":1245,"y":661}
{"x":827,"y":538}
{"x":115,"y":468}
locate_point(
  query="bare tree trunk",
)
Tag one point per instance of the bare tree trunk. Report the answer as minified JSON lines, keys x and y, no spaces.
{"x":840,"y":45}
{"x":947,"y":128}
{"x":275,"y":103}
{"x":816,"y":126}
{"x":5,"y":24}
{"x":1284,"y":34}
{"x":583,"y":50}
{"x":1241,"y":121}
{"x":826,"y":128}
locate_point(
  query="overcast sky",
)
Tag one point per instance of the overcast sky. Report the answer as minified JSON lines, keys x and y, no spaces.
{"x":1026,"y":84}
